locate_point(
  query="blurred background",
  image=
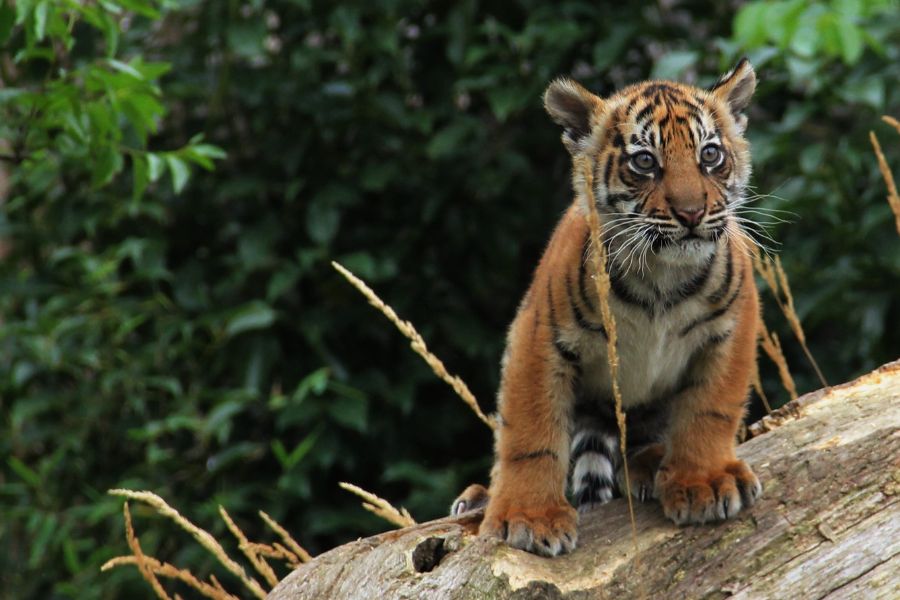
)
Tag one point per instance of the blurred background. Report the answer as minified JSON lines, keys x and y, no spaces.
{"x":177,"y":174}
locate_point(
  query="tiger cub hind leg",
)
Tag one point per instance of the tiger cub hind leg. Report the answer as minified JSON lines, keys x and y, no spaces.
{"x":595,"y":459}
{"x":472,"y":498}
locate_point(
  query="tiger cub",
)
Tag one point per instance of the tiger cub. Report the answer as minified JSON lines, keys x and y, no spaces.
{"x":670,"y":166}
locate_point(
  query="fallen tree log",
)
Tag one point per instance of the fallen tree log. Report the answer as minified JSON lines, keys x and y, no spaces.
{"x":827,"y":526}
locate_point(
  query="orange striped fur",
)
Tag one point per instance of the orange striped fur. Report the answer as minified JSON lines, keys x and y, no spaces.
{"x":670,"y":168}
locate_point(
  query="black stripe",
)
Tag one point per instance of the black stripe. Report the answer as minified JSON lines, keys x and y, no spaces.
{"x":545,"y":453}
{"x":689,"y":379}
{"x":690,"y":288}
{"x":589,"y":496}
{"x":536,"y":323}
{"x":567,"y":355}
{"x":720,"y":292}
{"x":550,"y":308}
{"x":727,"y":76}
{"x":716,"y":313}
{"x":714,"y":414}
{"x":622,"y":292}
{"x":595,"y":482}
{"x":685,"y":384}
{"x":704,"y":134}
{"x":693,"y":108}
{"x":715,"y":340}
{"x":664,"y":122}
{"x":639,"y":207}
{"x":591,"y":442}
{"x":659,"y":87}
{"x":619,"y":141}
{"x":607,"y":171}
{"x":645,"y":129}
{"x":616,"y":198}
{"x":582,"y":273}
{"x":644,"y":113}
{"x":576,"y":312}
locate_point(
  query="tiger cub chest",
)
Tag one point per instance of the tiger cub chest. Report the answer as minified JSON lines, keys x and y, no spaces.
{"x":659,"y":348}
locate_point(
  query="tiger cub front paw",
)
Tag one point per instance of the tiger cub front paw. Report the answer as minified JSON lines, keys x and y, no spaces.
{"x":698,"y":496}
{"x":547,"y":530}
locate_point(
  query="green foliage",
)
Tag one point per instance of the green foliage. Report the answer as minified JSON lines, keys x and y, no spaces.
{"x":169,"y":328}
{"x":825,"y":30}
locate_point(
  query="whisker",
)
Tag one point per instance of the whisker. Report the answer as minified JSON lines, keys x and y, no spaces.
{"x":774,"y":214}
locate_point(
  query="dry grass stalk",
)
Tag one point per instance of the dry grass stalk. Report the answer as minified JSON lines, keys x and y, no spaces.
{"x":772,"y":347}
{"x":791,"y":314}
{"x":296,"y":549}
{"x":218,"y":585}
{"x":259,"y":563}
{"x":417,"y":343}
{"x":757,"y":385}
{"x":381,"y":507}
{"x":603,"y":286}
{"x":215,"y":591}
{"x":773,"y":274}
{"x":203,"y":537}
{"x":892,"y":122}
{"x":276,"y":552}
{"x":893,"y":197}
{"x":135,"y":545}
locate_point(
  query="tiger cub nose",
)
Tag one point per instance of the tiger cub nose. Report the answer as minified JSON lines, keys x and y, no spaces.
{"x":689,"y":216}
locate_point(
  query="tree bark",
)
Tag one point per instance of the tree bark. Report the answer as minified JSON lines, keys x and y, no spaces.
{"x":827,"y":526}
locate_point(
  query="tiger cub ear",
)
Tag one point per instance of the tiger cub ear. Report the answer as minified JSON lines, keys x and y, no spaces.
{"x":571,"y":106}
{"x":735,"y":88}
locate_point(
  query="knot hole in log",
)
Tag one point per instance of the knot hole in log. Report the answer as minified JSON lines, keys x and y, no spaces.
{"x":428,"y":554}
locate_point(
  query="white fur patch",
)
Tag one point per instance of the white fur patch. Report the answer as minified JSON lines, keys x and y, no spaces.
{"x":592,"y":463}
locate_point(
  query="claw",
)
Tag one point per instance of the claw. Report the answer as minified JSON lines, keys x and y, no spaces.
{"x":544,"y":530}
{"x":700,"y":497}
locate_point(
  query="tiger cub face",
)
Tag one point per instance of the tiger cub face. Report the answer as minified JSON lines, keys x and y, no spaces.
{"x":670,"y":163}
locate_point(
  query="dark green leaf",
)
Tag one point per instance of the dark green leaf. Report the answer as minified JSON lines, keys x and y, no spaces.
{"x":252,"y":316}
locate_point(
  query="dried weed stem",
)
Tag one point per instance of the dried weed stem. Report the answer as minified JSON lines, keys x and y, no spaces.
{"x":203,"y":537}
{"x":380,"y":506}
{"x":140,"y":559}
{"x":892,"y":122}
{"x":773,"y":274}
{"x":297,"y":550}
{"x":757,"y":385}
{"x":214,"y":591}
{"x":602,"y":283}
{"x":893,"y":197}
{"x":250,"y":550}
{"x":417,"y":343}
{"x":772,"y":347}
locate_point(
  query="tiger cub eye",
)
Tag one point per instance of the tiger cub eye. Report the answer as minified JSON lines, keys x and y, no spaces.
{"x":710,"y":154}
{"x":643,"y":161}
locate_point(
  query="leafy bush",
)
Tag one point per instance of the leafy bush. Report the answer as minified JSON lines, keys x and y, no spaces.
{"x":183,"y":332}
